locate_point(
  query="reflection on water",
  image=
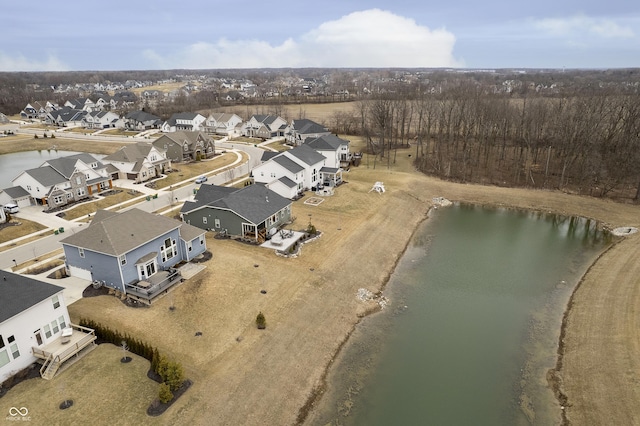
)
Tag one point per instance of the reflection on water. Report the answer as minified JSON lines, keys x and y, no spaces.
{"x":473,"y":324}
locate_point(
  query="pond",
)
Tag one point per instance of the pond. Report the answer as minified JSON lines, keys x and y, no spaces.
{"x":472,"y":327}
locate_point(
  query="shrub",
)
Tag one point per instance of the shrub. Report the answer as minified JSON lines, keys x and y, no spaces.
{"x":35,"y":136}
{"x":164,"y":393}
{"x":261,"y":322}
{"x":311,"y":229}
{"x":174,"y":375}
{"x":53,"y":136}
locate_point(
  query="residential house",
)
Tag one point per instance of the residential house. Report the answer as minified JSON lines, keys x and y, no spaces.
{"x":15,"y":195}
{"x":133,"y":252}
{"x":102,"y":120}
{"x":65,"y":117}
{"x":60,"y":181}
{"x":264,"y":126}
{"x":38,"y":109}
{"x":292,"y":172}
{"x":33,"y":319}
{"x":336,"y":151}
{"x":141,"y":120}
{"x":138,"y":162}
{"x":190,"y":121}
{"x":296,"y":132}
{"x":253,"y":212}
{"x":84,"y":104}
{"x":186,"y":146}
{"x":222,"y":123}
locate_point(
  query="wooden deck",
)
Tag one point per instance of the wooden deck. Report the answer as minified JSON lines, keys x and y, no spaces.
{"x":155,"y":286}
{"x":59,"y":351}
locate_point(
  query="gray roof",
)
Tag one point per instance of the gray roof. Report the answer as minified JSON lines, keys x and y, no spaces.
{"x":288,"y":163}
{"x":67,"y":165}
{"x":255,"y":203}
{"x":131,"y":153}
{"x":205,"y":195}
{"x":307,"y":154}
{"x":141,"y":116}
{"x":285,"y":180}
{"x":20,"y":293}
{"x":268,"y":155}
{"x":118,"y":233}
{"x":16,"y":192}
{"x":326,"y":143}
{"x":305,"y":126}
{"x":46,"y":175}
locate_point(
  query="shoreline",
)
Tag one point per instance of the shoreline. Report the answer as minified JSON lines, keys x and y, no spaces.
{"x":318,"y":392}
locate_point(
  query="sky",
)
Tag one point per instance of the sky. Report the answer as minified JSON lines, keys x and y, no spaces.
{"x":210,"y":34}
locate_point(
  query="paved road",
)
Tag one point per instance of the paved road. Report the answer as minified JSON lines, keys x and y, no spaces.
{"x":166,"y":199}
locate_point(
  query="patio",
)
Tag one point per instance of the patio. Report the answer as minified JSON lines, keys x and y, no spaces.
{"x":154,"y":286}
{"x":71,"y":342}
{"x":282,"y":240}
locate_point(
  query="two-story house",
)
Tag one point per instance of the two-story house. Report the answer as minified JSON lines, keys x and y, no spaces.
{"x":222,"y":123}
{"x":141,"y":120}
{"x":189,"y":121}
{"x":186,"y":146}
{"x":299,"y":130}
{"x":133,"y":252}
{"x":264,"y":126}
{"x":292,"y":172}
{"x":138,"y":162}
{"x":63,"y":180}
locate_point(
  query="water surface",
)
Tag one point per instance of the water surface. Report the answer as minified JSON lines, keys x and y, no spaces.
{"x":473,"y":325}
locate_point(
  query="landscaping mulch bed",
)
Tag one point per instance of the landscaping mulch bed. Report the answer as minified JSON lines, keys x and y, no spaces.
{"x":31,"y":372}
{"x":91,"y":291}
{"x":207,"y":255}
{"x":156,"y":408}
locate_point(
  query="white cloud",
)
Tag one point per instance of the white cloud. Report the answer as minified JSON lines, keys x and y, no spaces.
{"x":370,"y":38}
{"x":9,"y":63}
{"x":577,"y":25}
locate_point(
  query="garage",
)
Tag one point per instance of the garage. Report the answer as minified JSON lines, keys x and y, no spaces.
{"x":85,"y":274}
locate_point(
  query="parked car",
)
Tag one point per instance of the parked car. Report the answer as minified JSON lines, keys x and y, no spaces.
{"x":11,"y":208}
{"x":201,"y":179}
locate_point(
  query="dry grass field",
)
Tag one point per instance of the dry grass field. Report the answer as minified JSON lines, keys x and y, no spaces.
{"x":245,"y":376}
{"x":17,"y":143}
{"x":25,"y":227}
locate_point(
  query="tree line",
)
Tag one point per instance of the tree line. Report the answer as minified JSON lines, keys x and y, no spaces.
{"x":586,"y":143}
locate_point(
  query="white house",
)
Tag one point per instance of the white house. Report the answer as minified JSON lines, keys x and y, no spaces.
{"x":222,"y":123}
{"x":300,"y":166}
{"x":264,"y":126}
{"x":102,"y":120}
{"x":331,"y":146}
{"x":33,"y":319}
{"x":189,"y":121}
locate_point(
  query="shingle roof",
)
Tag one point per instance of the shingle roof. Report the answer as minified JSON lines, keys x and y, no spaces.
{"x":205,"y":195}
{"x":288,"y":182}
{"x":67,"y":165}
{"x":326,"y":143}
{"x":305,"y":126}
{"x":141,"y":116}
{"x":288,"y":163}
{"x":20,"y":293}
{"x":131,"y":153}
{"x":46,"y":176}
{"x":268,"y":155}
{"x":16,"y":192}
{"x":306,"y":154}
{"x":255,"y":203}
{"x":119,"y":233}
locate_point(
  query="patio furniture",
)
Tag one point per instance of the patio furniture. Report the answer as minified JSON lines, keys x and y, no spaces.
{"x":66,"y":335}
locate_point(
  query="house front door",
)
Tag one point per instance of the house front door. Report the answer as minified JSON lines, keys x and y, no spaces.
{"x":38,"y":336}
{"x":150,"y":269}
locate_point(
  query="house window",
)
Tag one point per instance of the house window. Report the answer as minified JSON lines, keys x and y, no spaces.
{"x":168,"y":250}
{"x":201,"y":240}
{"x":80,"y":192}
{"x":28,"y":187}
{"x":80,"y":251}
{"x":63,"y":324}
{"x":15,"y":353}
{"x":204,"y":220}
{"x":122,"y":259}
{"x":1,"y":342}
{"x":261,"y":173}
{"x":78,"y":180}
{"x":216,"y":223}
{"x":47,"y":331}
{"x":273,"y":174}
{"x":69,"y":195}
{"x":54,"y":326}
{"x":87,"y":176}
{"x":188,"y":246}
{"x":56,"y":302}
{"x":4,"y":358}
{"x":58,"y":199}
